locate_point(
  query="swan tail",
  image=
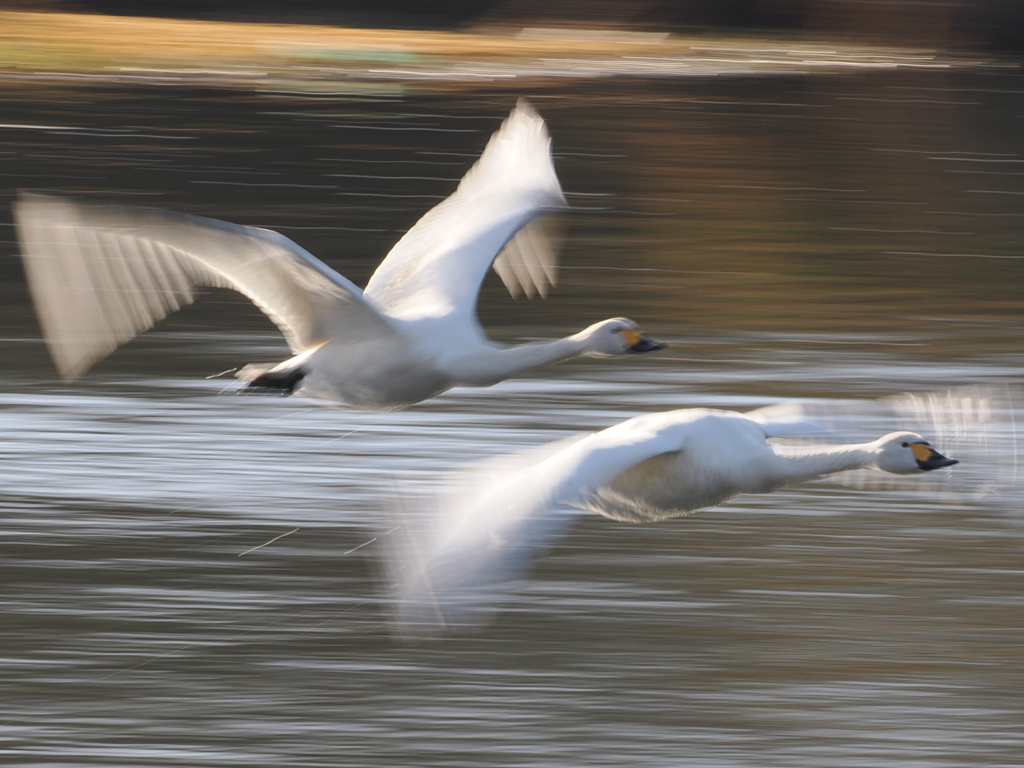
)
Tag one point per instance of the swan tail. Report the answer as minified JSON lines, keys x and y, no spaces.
{"x":267,"y":377}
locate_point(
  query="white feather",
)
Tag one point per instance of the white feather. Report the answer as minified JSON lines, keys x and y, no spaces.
{"x":455,"y":554}
{"x":99,"y":275}
{"x":447,"y":253}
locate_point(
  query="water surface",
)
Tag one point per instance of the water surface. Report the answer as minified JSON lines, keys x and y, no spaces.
{"x":189,"y":574}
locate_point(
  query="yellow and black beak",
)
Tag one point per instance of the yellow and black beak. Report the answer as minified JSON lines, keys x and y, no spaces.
{"x":637,"y":342}
{"x":928,"y":458}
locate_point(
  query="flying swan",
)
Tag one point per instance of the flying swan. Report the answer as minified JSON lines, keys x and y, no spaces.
{"x":451,"y":556}
{"x":99,"y":275}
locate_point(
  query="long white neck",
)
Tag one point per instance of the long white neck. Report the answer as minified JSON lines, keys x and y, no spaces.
{"x":808,"y":463}
{"x":491,"y":363}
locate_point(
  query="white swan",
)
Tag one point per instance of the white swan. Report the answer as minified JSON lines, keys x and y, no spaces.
{"x":99,"y":275}
{"x":451,"y":556}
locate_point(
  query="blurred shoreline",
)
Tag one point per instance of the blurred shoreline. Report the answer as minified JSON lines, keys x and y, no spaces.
{"x":338,"y":60}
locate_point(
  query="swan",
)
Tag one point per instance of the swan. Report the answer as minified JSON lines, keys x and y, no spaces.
{"x":450,"y":556}
{"x":99,"y":275}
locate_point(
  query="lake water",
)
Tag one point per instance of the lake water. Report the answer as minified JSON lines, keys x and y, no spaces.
{"x":189,"y":576}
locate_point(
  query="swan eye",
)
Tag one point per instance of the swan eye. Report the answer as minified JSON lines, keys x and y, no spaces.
{"x":905,"y":444}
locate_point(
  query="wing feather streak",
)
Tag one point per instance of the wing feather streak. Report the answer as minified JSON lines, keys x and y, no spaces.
{"x":441,"y":262}
{"x":100,"y":275}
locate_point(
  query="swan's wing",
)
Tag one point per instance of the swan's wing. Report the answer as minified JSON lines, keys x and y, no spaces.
{"x":783,"y":428}
{"x":440,"y":582}
{"x":451,"y":557}
{"x":439,"y":265}
{"x":529,"y":262}
{"x":982,"y":426}
{"x":101,"y":274}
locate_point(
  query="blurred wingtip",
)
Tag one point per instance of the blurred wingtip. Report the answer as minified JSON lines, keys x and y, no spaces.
{"x":524,"y":107}
{"x":43,"y":223}
{"x":431,"y":592}
{"x":454,"y":557}
{"x":980,"y":425}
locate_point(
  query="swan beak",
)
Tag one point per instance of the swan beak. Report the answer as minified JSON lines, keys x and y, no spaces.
{"x":637,"y":342}
{"x":646,"y":344}
{"x":928,"y":458}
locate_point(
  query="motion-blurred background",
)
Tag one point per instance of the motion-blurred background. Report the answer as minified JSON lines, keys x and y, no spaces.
{"x":818,"y":199}
{"x":998,"y":23}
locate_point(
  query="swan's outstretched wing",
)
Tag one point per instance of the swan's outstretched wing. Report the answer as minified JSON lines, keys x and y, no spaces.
{"x":451,"y":557}
{"x":101,"y":274}
{"x":529,"y":262}
{"x":982,"y":426}
{"x":439,"y":265}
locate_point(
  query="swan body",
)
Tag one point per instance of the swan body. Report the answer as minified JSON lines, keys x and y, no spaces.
{"x":486,"y":527}
{"x":722,"y":454}
{"x":99,"y":275}
{"x":441,"y":354}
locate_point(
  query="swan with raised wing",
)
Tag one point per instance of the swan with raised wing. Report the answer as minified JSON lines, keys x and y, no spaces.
{"x":99,"y":275}
{"x":450,"y":555}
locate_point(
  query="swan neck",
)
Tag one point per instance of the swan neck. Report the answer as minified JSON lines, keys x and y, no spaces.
{"x":497,"y":363}
{"x":808,"y":463}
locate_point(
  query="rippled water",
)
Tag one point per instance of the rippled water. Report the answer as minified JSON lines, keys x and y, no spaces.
{"x":190,"y":577}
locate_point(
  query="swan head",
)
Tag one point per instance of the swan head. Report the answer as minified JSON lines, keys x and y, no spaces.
{"x":618,"y":336}
{"x":907,"y":453}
